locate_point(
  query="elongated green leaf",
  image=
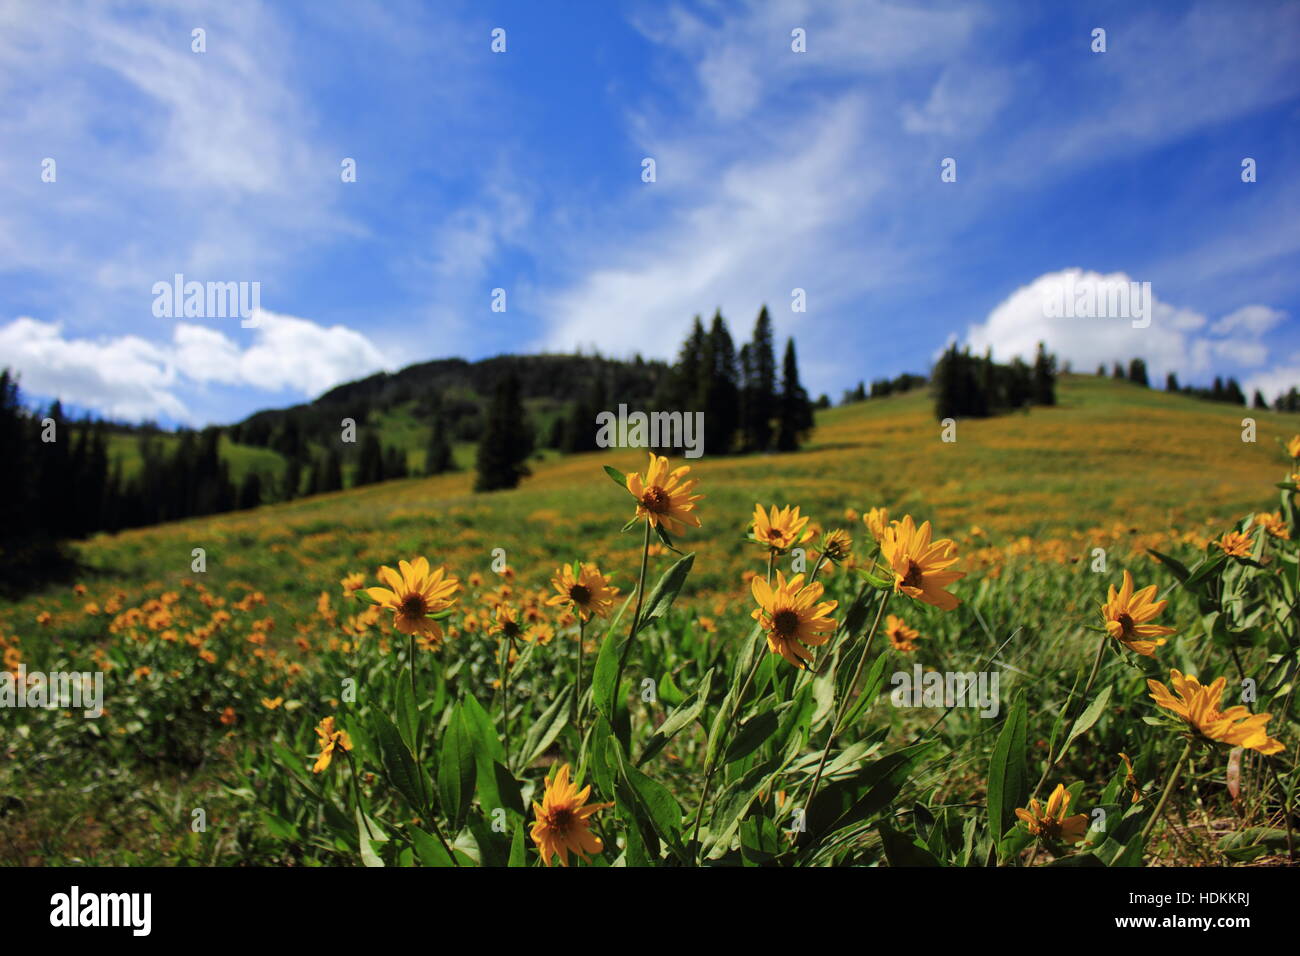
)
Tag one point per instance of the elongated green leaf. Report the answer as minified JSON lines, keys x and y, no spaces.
{"x":399,"y":766}
{"x":542,"y":733}
{"x":680,"y":718}
{"x":616,"y":476}
{"x":428,"y":849}
{"x":1008,"y":785}
{"x":456,"y":769}
{"x":754,"y":733}
{"x":901,"y":849}
{"x":1087,"y":719}
{"x":666,"y":590}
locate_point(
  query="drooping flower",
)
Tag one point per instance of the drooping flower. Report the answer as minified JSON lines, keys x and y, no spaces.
{"x":330,"y":740}
{"x":1274,"y":525}
{"x":921,"y":566}
{"x":588,"y":592}
{"x":780,"y":530}
{"x":792,"y":617}
{"x":877,"y":522}
{"x":1051,"y":823}
{"x":662,"y":497}
{"x":506,"y":622}
{"x":414,"y":594}
{"x":1198,"y":706}
{"x":900,"y":634}
{"x":1235,"y":544}
{"x":562,"y":820}
{"x":1126,"y":616}
{"x":1293,"y":446}
{"x":837,"y":545}
{"x":1130,"y":778}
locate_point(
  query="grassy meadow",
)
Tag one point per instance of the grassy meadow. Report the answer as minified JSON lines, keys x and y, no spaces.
{"x":705,"y":747}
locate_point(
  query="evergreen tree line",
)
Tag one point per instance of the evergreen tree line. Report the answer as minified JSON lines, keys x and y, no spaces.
{"x":1222,"y":390}
{"x":58,"y":483}
{"x":880,"y":388}
{"x":974,"y":386}
{"x":749,"y":404}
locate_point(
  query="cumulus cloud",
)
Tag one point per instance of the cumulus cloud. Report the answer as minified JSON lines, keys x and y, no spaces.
{"x":130,"y":378}
{"x":1178,"y":339}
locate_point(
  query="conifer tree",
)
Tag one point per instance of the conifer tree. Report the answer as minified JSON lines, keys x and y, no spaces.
{"x":507,"y":440}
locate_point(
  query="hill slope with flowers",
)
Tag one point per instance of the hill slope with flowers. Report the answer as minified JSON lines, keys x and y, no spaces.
{"x":218,"y":681}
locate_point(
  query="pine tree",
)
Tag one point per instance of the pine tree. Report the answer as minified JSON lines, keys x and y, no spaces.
{"x":1171,"y":382}
{"x":370,"y":462}
{"x":795,"y":415}
{"x":1259,"y":400}
{"x":760,"y":386}
{"x":507,"y":440}
{"x":1137,"y":372}
{"x":437,"y":457}
{"x":721,"y":389}
{"x":250,"y":491}
{"x":1043,"y":391}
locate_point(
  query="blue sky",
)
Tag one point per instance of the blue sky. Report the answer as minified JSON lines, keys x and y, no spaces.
{"x":521,"y":170}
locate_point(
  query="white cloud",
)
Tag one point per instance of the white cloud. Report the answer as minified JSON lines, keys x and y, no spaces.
{"x":1250,"y":319}
{"x":129,"y":378}
{"x":1175,"y":341}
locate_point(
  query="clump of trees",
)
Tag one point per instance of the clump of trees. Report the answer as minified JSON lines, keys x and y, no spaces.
{"x":974,"y":386}
{"x":507,"y":440}
{"x":882,"y":388}
{"x":749,"y":404}
{"x":1222,"y":390}
{"x":58,"y":483}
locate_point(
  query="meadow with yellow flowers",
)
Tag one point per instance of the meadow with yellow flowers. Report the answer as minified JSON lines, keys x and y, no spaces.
{"x":631,"y":661}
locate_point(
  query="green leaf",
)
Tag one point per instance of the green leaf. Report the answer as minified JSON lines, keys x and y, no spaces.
{"x":429,"y":850}
{"x":901,"y":849}
{"x":666,"y":591}
{"x":399,"y":766}
{"x":655,"y":804}
{"x":753,"y":734}
{"x":1086,"y":720}
{"x":518,"y":857}
{"x":408,"y":716}
{"x":456,"y":769}
{"x":680,"y":718}
{"x":542,"y":732}
{"x":617,"y":477}
{"x":368,"y":855}
{"x":1173,"y":564}
{"x":1008,"y":785}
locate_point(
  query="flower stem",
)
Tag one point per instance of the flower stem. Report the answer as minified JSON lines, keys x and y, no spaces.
{"x":711,"y":765}
{"x":577,"y":697}
{"x":842,"y":709}
{"x":1164,"y":797}
{"x":636,"y":617}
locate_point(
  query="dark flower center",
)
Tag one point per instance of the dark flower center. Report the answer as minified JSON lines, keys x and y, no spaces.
{"x":561,"y":819}
{"x":655,"y":499}
{"x":912,"y":579}
{"x":580,"y":594}
{"x":785,"y":622}
{"x":1125,"y":624}
{"x":413,"y":606}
